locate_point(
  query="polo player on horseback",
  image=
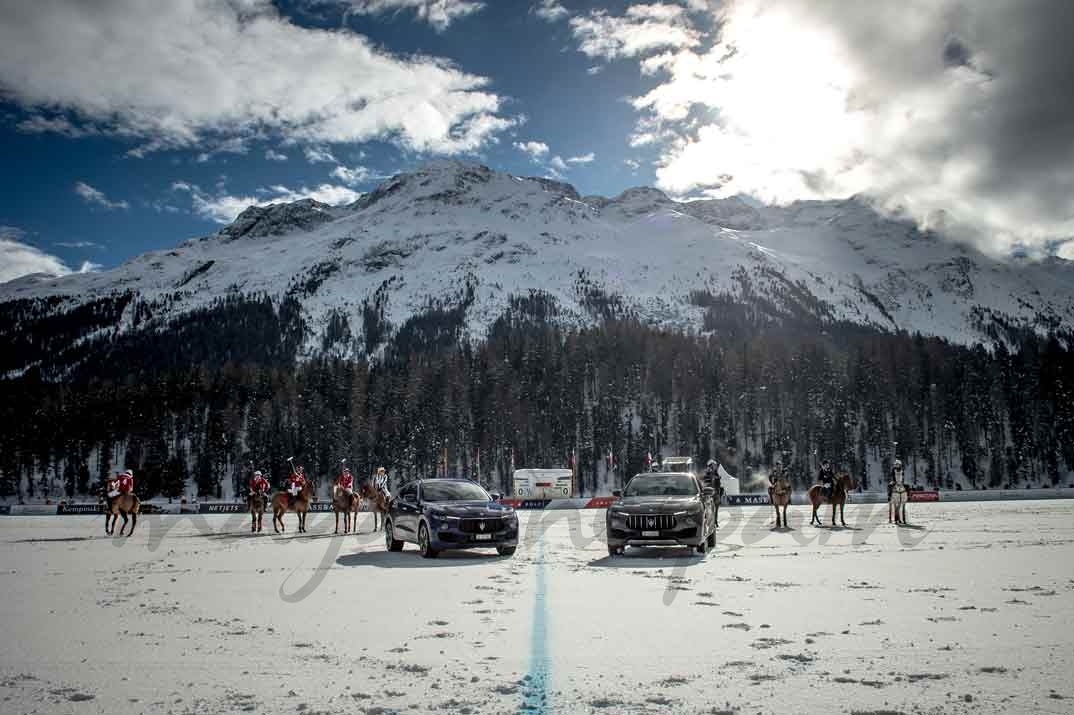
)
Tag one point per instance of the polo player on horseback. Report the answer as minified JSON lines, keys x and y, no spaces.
{"x":259,"y":485}
{"x":774,"y":476}
{"x":826,"y":477}
{"x":296,"y":481}
{"x":380,"y":481}
{"x":345,"y":482}
{"x":122,"y":484}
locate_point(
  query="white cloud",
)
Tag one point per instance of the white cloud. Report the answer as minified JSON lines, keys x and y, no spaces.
{"x":632,"y":164}
{"x":931,"y":108}
{"x":185,"y":74}
{"x":438,"y":13}
{"x":594,"y":70}
{"x":75,"y":244}
{"x":535,"y":150}
{"x":19,"y":259}
{"x":319,"y":154}
{"x":555,"y":165}
{"x":352,"y":177}
{"x":95,"y":197}
{"x":550,"y":10}
{"x":273,"y":155}
{"x":11,"y":233}
{"x":89,"y":267}
{"x":38,"y":124}
{"x":643,"y":29}
{"x":223,"y":208}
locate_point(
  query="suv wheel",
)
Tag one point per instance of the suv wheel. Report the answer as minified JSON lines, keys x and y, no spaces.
{"x":423,"y":543}
{"x":615,"y":550}
{"x":506,"y":550}
{"x":390,"y":541}
{"x":712,"y":539}
{"x":702,"y":546}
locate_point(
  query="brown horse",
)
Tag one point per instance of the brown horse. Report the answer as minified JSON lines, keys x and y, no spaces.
{"x":348,"y":504}
{"x":256,"y":502}
{"x":121,"y":504}
{"x":376,"y":500}
{"x":842,"y":486}
{"x":299,"y":504}
{"x":780,"y":496}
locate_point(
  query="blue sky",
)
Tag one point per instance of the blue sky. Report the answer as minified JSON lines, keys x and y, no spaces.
{"x":532,"y":64}
{"x":128,"y":126}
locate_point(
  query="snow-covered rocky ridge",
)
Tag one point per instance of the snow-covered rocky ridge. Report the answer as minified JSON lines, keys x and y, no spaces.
{"x":449,"y":229}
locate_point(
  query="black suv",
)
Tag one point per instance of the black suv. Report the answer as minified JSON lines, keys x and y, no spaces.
{"x":440,"y":514}
{"x":662,"y":509}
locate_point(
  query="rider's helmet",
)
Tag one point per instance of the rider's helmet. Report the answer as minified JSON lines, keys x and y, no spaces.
{"x":825,"y":464}
{"x":128,"y":473}
{"x":712,"y":464}
{"x":301,"y":469}
{"x":897,"y":464}
{"x":778,"y":464}
{"x":257,"y":473}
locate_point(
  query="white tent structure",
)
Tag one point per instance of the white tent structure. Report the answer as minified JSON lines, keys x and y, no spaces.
{"x":729,"y":483}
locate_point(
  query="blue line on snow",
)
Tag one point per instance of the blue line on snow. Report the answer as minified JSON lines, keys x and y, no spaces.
{"x":535,"y":684}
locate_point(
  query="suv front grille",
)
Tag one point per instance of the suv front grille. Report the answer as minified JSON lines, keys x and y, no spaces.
{"x":481,"y":526}
{"x":650,"y":522}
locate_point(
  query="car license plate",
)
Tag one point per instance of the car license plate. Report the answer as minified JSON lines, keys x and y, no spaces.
{"x":650,"y":534}
{"x":482,"y":537}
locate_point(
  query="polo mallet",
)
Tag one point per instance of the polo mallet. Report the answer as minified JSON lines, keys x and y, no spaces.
{"x":291,"y":461}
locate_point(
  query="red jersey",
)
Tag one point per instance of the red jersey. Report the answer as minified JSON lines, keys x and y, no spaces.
{"x":125,"y":484}
{"x":345,"y":481}
{"x":296,"y":480}
{"x":259,"y":484}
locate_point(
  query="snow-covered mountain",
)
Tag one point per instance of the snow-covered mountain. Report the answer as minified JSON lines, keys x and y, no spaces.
{"x":452,"y":233}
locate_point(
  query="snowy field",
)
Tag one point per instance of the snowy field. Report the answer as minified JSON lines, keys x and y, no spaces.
{"x":969,"y":610}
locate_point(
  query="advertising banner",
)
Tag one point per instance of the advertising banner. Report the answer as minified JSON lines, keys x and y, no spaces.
{"x":79,"y":509}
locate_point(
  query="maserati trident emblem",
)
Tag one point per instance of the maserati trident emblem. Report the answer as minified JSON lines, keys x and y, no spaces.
{"x":481,"y":525}
{"x":652,"y":521}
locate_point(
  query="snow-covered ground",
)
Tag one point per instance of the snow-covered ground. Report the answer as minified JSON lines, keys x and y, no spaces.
{"x":967,"y":611}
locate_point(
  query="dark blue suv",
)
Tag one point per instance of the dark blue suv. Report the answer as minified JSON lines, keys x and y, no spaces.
{"x":441,"y":514}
